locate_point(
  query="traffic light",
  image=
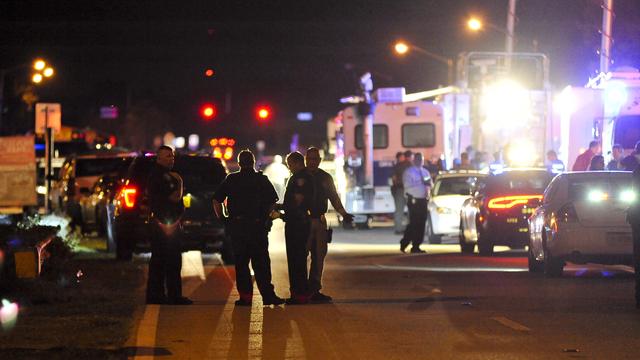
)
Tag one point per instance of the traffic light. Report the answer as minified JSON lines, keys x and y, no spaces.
{"x":209,"y":72}
{"x":208,"y":111}
{"x":263,"y":113}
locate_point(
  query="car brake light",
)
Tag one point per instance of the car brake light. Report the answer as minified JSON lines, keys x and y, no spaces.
{"x":567,"y":213}
{"x":129,"y":194}
{"x":507,"y":202}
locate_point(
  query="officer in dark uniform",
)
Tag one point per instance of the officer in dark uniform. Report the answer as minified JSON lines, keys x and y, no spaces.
{"x":633,"y":216}
{"x":250,"y":200}
{"x":323,"y":189}
{"x":164,"y":191}
{"x":297,"y":203}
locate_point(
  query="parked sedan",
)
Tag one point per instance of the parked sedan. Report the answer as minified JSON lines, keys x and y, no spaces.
{"x":582,"y":219}
{"x":450,"y":190}
{"x":498,"y":212}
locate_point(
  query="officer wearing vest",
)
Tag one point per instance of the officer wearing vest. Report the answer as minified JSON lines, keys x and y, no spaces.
{"x":633,"y":217}
{"x":297,"y":205}
{"x":250,"y":200}
{"x":323,"y":189}
{"x":164,"y":191}
{"x":417,"y":185}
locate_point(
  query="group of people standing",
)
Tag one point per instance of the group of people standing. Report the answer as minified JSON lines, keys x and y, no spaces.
{"x":246,"y":202}
{"x":411,"y":187}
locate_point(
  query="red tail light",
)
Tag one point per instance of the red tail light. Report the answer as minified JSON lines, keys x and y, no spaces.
{"x":507,"y":202}
{"x":567,"y":213}
{"x":128,"y":196}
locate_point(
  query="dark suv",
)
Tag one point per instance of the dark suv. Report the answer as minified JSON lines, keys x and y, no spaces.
{"x":202,"y":175}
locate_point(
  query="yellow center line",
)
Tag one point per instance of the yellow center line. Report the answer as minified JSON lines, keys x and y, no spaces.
{"x":511,"y":324}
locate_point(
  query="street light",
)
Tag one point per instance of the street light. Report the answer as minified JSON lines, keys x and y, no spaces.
{"x":474,"y":24}
{"x":402,"y":48}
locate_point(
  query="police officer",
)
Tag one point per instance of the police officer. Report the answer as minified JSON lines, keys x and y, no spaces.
{"x":323,"y":189}
{"x":417,"y":184}
{"x":297,"y":205}
{"x":633,"y":216}
{"x":250,"y":199}
{"x":164,"y":191}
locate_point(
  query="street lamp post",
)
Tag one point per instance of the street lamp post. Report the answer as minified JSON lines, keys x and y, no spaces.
{"x":42,"y":71}
{"x":401,"y":48}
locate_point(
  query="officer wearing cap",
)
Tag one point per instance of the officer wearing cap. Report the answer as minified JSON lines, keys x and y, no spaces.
{"x":250,"y":200}
{"x":164,"y":191}
{"x":323,"y":189}
{"x":297,"y":205}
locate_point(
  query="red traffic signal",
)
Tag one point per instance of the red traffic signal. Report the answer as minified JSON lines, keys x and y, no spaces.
{"x":208,"y":111}
{"x":209,"y":72}
{"x":263,"y":113}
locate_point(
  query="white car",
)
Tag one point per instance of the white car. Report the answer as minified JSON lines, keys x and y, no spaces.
{"x":449,"y":191}
{"x":582,"y":219}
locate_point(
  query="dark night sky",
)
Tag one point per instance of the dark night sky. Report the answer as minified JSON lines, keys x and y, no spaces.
{"x":294,"y":55}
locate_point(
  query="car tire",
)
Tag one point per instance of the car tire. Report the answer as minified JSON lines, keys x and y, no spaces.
{"x":365,"y":225}
{"x":535,"y":266}
{"x":552,"y":266}
{"x":465,"y":247}
{"x":123,"y":247}
{"x":485,"y":245}
{"x":431,"y":237}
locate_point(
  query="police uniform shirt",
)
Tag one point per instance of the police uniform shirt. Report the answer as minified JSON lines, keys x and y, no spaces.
{"x":415,"y":180}
{"x":249,"y":194}
{"x":323,"y":190}
{"x":300,"y":183}
{"x":160,"y":186}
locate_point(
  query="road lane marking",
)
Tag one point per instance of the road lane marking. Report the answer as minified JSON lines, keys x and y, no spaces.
{"x":147,"y":328}
{"x":511,"y":324}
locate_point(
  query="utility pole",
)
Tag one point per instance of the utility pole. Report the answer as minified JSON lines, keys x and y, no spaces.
{"x":511,"y":23}
{"x":607,"y":32}
{"x":366,"y":84}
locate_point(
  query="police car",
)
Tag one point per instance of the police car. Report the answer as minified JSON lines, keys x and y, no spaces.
{"x":128,"y":225}
{"x":498,"y":212}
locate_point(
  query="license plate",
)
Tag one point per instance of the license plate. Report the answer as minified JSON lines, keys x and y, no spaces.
{"x":512,"y":220}
{"x":528,"y":211}
{"x":618,"y":238}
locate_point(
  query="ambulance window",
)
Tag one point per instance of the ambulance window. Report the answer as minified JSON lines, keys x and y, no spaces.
{"x":418,"y":135}
{"x":380,"y":136}
{"x":627,"y":131}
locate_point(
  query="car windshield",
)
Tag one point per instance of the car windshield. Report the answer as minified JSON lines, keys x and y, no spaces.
{"x":602,"y":188}
{"x":101,"y":166}
{"x":200,"y":173}
{"x":454,"y":185}
{"x":519,"y":181}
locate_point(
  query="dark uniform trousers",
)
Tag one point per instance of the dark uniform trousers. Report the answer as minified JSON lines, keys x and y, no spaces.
{"x":296,"y":234}
{"x":635,"y":228}
{"x":166,"y":262}
{"x":414,"y":232}
{"x":251,"y":244}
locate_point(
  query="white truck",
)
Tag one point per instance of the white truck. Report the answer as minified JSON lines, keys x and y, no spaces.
{"x":397,"y":126}
{"x":607,"y":109}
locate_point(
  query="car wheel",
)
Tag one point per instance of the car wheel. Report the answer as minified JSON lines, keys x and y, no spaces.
{"x":552,"y":266}
{"x":123,"y":247}
{"x":365,"y":225}
{"x":485,"y":245}
{"x":535,"y":266}
{"x":428,"y":232}
{"x":465,"y":247}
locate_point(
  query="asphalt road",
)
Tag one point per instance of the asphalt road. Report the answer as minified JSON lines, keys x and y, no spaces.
{"x":388,"y":305}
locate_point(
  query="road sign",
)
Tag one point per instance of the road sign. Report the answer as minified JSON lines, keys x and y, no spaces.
{"x":48,"y":115}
